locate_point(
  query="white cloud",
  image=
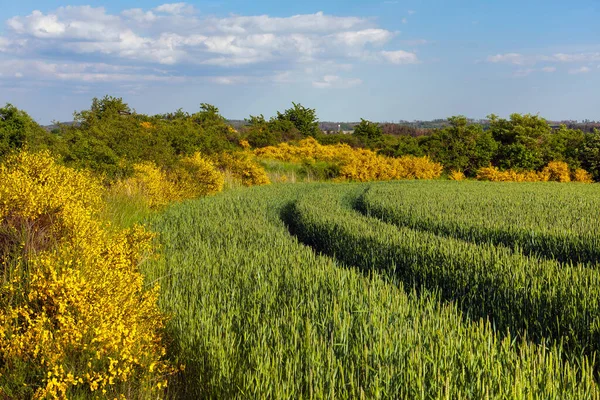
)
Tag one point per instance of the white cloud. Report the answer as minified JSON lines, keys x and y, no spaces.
{"x":549,"y":69}
{"x":313,"y":23}
{"x":581,"y":70}
{"x":175,"y":8}
{"x":4,"y":44}
{"x":172,"y":34}
{"x":363,"y":37}
{"x":511,"y":58}
{"x":140,"y":15}
{"x":520,"y":59}
{"x":190,"y":44}
{"x":404,"y":20}
{"x":580,"y":57}
{"x":82,"y":72}
{"x":334,"y":81}
{"x":38,"y":25}
{"x":400,"y":57}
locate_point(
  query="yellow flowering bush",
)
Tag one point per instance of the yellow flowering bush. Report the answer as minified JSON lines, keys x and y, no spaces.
{"x":245,"y":144}
{"x":196,"y":176}
{"x":456,"y":176}
{"x":355,"y":164}
{"x":555,"y":171}
{"x":581,"y":175}
{"x":151,"y":183}
{"x":558,"y":171}
{"x":243,"y":168}
{"x":74,"y":315}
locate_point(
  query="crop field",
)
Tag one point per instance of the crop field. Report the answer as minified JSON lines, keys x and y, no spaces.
{"x":383,"y":290}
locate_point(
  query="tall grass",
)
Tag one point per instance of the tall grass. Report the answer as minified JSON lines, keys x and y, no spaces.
{"x":255,"y":314}
{"x":546,"y":219}
{"x":543,"y":299}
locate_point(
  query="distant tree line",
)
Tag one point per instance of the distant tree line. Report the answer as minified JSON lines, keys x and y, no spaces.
{"x":109,"y":138}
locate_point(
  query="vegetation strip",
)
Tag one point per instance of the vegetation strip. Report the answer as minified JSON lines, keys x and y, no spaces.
{"x":258,"y":315}
{"x":546,"y":220}
{"x":541,"y":299}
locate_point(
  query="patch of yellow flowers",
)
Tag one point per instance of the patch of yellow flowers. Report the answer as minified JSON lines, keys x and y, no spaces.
{"x":555,"y":171}
{"x":194,"y":176}
{"x":75,"y":316}
{"x":242,"y":167}
{"x":355,"y":164}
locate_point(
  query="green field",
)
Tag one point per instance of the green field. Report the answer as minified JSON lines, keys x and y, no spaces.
{"x":371,"y":291}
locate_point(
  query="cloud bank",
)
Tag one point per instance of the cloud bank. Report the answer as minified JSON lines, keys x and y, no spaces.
{"x":174,"y":42}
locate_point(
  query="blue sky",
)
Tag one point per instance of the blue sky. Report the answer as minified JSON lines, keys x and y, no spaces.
{"x":380,"y":60}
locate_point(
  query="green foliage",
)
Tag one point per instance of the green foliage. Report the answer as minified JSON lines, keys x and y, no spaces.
{"x":109,"y":139}
{"x":340,"y":138}
{"x":563,"y":144}
{"x":260,"y":133}
{"x":519,"y":141}
{"x":369,"y":132}
{"x":461,"y":146}
{"x":590,"y":154}
{"x":303,"y":119}
{"x":208,"y":116}
{"x":319,"y":170}
{"x":404,"y":145}
{"x":19,"y":130}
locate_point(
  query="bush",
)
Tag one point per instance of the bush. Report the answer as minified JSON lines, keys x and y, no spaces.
{"x":75,"y":318}
{"x":18,"y":130}
{"x":456,"y":176}
{"x":150,"y":183}
{"x":581,"y":175}
{"x":243,"y":168}
{"x":355,"y":164}
{"x":555,"y":171}
{"x":558,"y":171}
{"x":197,"y":177}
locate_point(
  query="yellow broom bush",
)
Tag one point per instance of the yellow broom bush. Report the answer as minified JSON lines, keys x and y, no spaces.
{"x":196,"y":176}
{"x":558,"y":171}
{"x":75,"y":319}
{"x":581,"y":175}
{"x":555,"y":171}
{"x":355,"y":164}
{"x":243,"y":168}
{"x":456,"y":176}
{"x":150,"y":183}
{"x":193,"y":177}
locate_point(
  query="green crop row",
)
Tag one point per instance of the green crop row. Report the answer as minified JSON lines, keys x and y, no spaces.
{"x":549,"y":220}
{"x":539,"y":298}
{"x":256,"y":314}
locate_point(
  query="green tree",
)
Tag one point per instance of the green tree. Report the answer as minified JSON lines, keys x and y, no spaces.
{"x":260,"y":133}
{"x":461,"y":146}
{"x":304,"y":119}
{"x":369,"y":132}
{"x":519,"y":140}
{"x":590,"y":154}
{"x":563,"y":144}
{"x":19,"y":130}
{"x":208,"y":116}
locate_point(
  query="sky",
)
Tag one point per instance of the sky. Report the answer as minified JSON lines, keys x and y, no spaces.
{"x":379,"y":60}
